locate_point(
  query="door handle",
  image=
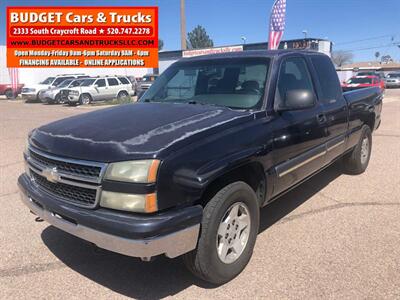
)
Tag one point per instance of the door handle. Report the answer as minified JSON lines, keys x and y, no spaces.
{"x":321,"y":118}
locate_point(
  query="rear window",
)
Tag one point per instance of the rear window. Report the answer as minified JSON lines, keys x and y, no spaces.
{"x":124,"y":80}
{"x":112,"y":81}
{"x":364,"y":80}
{"x":329,"y":81}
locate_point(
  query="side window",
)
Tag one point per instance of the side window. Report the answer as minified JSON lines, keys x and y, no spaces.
{"x":293,"y":75}
{"x":101,"y":82}
{"x":124,"y":80}
{"x":112,"y":81}
{"x":329,"y":81}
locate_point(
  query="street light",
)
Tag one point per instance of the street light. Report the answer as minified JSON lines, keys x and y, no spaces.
{"x":305,"y":32}
{"x":243,"y":39}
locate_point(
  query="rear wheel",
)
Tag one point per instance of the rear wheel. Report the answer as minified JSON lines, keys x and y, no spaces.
{"x":228,"y":233}
{"x":85,"y":99}
{"x":356,"y":162}
{"x":123,"y":96}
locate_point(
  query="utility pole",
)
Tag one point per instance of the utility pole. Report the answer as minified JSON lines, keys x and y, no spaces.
{"x":183,"y":25}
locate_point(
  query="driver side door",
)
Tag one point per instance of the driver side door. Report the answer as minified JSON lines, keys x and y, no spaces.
{"x":299,"y":140}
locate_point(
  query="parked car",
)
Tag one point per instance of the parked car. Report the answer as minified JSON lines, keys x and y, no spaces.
{"x":379,"y":74}
{"x":185,"y":170}
{"x":145,"y":83}
{"x":100,"y":89}
{"x":134,"y":82}
{"x":6,"y":89}
{"x":360,"y":82}
{"x":31,"y":92}
{"x":55,"y":94}
{"x":392,"y":80}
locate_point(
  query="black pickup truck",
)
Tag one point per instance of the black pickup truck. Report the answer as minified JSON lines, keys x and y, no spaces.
{"x":186,"y":170}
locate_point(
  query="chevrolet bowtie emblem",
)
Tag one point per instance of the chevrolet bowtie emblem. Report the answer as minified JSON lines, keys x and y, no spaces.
{"x":51,"y":174}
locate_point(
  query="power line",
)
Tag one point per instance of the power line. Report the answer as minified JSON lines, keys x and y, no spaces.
{"x":393,"y":44}
{"x":366,"y":39}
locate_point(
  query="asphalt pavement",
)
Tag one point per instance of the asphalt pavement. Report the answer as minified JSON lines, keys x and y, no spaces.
{"x":336,"y":236}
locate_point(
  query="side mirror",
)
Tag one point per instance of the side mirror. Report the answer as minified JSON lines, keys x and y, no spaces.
{"x":297,"y":99}
{"x":96,"y":86}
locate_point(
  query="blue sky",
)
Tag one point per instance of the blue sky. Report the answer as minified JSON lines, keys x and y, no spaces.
{"x":345,"y":22}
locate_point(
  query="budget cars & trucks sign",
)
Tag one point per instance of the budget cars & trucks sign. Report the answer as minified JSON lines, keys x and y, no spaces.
{"x":82,"y":37}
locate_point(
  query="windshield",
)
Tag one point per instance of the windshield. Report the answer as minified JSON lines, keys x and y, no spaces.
{"x":234,"y":83}
{"x":87,"y":82}
{"x":394,"y":75}
{"x":76,"y":83}
{"x":48,"y":80}
{"x":65,"y":83}
{"x":364,"y":80}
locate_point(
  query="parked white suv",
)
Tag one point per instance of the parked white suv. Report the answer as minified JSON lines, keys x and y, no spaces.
{"x":55,"y":94}
{"x":100,"y":89}
{"x":31,"y":92}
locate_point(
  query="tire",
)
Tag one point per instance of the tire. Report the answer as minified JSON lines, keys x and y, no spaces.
{"x":85,"y":99}
{"x":205,"y":261}
{"x":9,"y":94}
{"x":356,"y":162}
{"x":122,"y":95}
{"x":57,"y":99}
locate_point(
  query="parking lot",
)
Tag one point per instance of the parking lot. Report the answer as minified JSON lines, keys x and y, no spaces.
{"x":336,"y":236}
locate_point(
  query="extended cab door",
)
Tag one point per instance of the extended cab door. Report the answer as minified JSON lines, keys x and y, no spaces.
{"x":300,"y":134}
{"x":334,"y":105}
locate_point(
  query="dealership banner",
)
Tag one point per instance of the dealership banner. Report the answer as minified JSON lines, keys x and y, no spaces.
{"x":83,"y":37}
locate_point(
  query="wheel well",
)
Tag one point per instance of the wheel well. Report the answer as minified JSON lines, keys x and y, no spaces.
{"x":252,"y":174}
{"x":370,"y":121}
{"x":87,"y":95}
{"x":123,"y":91}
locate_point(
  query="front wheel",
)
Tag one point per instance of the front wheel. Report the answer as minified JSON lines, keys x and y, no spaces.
{"x":356,"y":162}
{"x":85,"y":99}
{"x":228,"y":234}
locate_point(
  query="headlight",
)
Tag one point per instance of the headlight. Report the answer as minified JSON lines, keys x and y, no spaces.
{"x":73,"y":92}
{"x":138,"y":171}
{"x":129,"y":202}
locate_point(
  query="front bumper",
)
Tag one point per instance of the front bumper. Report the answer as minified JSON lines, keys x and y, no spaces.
{"x":392,"y":84}
{"x":30,"y":95}
{"x":172,"y":233}
{"x":73,"y":98}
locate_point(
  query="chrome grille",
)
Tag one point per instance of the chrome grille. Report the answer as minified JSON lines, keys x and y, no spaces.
{"x":70,"y":193}
{"x":68,"y":167}
{"x":73,"y":181}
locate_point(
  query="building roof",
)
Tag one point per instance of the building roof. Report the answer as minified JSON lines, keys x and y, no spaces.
{"x":248,"y":54}
{"x":371,"y":65}
{"x":307,"y":43}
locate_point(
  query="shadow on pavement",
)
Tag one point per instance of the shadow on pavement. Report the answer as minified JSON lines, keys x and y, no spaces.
{"x":163,"y":277}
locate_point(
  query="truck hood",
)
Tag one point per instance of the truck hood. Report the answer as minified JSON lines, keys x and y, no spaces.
{"x":37,"y":87}
{"x":134,"y":131}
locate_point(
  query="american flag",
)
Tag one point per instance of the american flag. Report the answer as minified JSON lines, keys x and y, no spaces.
{"x":14,"y":77}
{"x":277,"y":24}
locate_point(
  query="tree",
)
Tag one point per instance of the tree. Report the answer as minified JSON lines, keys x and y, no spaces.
{"x":160,"y":44}
{"x":341,"y":57}
{"x":198,"y":38}
{"x":377,"y":54}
